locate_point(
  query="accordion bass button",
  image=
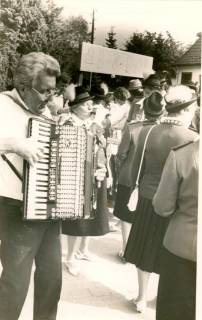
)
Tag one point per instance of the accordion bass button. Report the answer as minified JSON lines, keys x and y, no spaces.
{"x":52,"y":195}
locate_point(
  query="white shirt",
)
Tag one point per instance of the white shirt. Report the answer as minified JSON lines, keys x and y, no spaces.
{"x":101,"y":113}
{"x":119,"y":115}
{"x":118,"y":118}
{"x":79,"y":122}
{"x":13,"y":123}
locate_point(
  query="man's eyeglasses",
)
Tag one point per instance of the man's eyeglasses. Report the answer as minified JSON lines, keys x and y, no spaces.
{"x":46,"y":95}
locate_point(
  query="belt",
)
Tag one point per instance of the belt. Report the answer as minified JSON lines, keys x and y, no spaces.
{"x":10,"y":201}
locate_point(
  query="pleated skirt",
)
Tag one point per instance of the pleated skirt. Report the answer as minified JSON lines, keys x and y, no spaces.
{"x":145,"y":240}
{"x":120,"y":208}
{"x":177,"y":288}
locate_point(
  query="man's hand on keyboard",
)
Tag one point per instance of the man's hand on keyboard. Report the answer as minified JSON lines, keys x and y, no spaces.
{"x":29,"y":149}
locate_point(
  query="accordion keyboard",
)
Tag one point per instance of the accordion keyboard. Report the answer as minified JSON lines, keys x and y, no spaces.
{"x":38,"y":176}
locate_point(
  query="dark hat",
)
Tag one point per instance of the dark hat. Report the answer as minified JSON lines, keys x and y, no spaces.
{"x":152,"y":81}
{"x":192,"y":85}
{"x":98,"y":93}
{"x":82,"y":95}
{"x":153,"y":105}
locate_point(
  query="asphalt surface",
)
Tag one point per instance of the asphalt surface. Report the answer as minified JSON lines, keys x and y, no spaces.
{"x":103,"y":289}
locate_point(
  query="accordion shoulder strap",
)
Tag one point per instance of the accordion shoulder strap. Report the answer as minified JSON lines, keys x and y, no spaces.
{"x":13,"y":168}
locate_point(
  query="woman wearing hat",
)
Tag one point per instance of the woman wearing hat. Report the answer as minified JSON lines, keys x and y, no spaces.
{"x":149,"y":85}
{"x":78,"y":231}
{"x":136,"y":91}
{"x":148,"y":229}
{"x":124,"y":160}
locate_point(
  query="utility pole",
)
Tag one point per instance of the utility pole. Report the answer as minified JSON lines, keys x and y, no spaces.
{"x":93,"y":28}
{"x":92,"y":40}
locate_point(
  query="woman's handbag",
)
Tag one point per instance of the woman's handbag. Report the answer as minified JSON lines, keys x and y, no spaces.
{"x":132,"y":203}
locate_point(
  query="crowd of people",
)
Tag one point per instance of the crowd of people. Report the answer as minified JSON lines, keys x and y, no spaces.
{"x":147,"y":137}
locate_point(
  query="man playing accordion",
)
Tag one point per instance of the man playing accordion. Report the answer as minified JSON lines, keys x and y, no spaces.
{"x":23,"y":242}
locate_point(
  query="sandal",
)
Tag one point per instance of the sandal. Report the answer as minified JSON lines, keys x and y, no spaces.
{"x":121,"y":256}
{"x":84,"y":256}
{"x":140,"y":305}
{"x":72,"y":268}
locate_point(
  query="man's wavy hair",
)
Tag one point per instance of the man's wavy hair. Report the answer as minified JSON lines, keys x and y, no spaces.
{"x":31,"y":65}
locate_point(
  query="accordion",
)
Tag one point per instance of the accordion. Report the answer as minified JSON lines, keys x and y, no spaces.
{"x":61,"y":185}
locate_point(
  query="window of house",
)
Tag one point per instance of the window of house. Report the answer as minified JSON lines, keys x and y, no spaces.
{"x":186,"y":77}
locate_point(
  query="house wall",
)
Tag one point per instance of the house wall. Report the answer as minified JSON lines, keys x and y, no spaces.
{"x":196,"y":72}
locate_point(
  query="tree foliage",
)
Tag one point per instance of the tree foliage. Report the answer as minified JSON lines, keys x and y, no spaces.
{"x":164,"y":49}
{"x":111,"y":40}
{"x":27,"y":25}
{"x":67,"y":44}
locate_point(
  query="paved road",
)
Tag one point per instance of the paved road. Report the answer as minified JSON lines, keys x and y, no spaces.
{"x":102,"y":290}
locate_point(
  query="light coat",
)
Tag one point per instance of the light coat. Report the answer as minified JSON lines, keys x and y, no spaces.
{"x":177,"y":196}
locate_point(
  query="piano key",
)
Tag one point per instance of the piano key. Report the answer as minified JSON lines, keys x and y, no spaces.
{"x":43,"y":138}
{"x":44,"y":135}
{"x":42,"y":171}
{"x":42,"y":194}
{"x":41,"y":214}
{"x":44,"y":129}
{"x":42,"y":166}
{"x":43,"y":160}
{"x":46,"y":148}
{"x":42,"y":174}
{"x":40,"y":206}
{"x":42,"y":210}
{"x":45,"y":143}
{"x":44,"y":125}
{"x":41,"y":190}
{"x":41,"y":179}
{"x":41,"y":183}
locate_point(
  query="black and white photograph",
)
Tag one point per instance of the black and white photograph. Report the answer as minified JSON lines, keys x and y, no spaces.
{"x":100,"y":184}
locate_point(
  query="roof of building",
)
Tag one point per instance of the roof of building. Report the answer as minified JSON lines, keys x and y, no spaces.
{"x":193,"y":55}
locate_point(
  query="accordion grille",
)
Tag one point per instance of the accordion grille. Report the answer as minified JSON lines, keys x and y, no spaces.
{"x":71,"y":167}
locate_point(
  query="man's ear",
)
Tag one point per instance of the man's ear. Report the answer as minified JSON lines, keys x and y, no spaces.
{"x":21,"y":87}
{"x":21,"y":90}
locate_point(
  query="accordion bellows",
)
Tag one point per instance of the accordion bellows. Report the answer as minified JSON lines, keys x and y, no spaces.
{"x":61,"y":185}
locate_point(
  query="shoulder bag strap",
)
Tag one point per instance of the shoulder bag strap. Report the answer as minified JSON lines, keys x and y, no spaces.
{"x":142,"y":156}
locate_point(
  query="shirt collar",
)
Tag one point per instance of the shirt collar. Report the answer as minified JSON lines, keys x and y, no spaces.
{"x":79,"y":122}
{"x":14,"y":94}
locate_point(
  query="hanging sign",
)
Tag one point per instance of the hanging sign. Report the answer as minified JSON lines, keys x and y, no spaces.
{"x":98,"y":59}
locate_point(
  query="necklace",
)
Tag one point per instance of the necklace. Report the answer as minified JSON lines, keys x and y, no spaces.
{"x":171,"y":120}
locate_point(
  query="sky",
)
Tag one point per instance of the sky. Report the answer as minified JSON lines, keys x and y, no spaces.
{"x":181,"y":18}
